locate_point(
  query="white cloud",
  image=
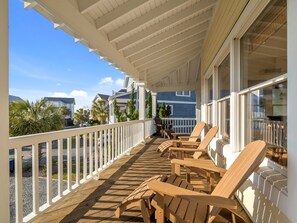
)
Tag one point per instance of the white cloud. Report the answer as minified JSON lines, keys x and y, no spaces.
{"x":60,"y":94}
{"x":78,"y":93}
{"x":119,"y":82}
{"x":106,"y":80}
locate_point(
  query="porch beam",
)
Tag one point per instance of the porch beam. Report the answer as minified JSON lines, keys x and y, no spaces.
{"x":171,"y":64}
{"x":154,"y":14}
{"x":167,"y":55}
{"x":189,"y":24}
{"x":65,"y":12}
{"x":175,"y":42}
{"x":87,"y":5}
{"x":4,"y":114}
{"x":182,"y":15}
{"x":118,"y":12}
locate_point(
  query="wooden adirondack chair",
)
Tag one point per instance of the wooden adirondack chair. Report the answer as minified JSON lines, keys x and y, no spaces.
{"x":169,"y":203}
{"x":180,"y":204}
{"x":195,"y":152}
{"x":192,"y":139}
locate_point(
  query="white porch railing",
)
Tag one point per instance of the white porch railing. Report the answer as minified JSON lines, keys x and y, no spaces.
{"x":77,"y":154}
{"x":185,"y":125}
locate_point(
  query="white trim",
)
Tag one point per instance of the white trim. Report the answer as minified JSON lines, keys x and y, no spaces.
{"x":183,"y":94}
{"x":177,"y":102}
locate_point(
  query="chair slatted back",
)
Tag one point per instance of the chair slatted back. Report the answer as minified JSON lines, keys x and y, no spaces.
{"x":197,"y":131}
{"x":244,"y":165}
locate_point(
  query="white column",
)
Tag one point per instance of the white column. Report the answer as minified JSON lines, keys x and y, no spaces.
{"x":215,"y":97}
{"x":141,"y":100}
{"x":141,"y":106}
{"x":154,"y":104}
{"x":4,"y":115}
{"x":292,"y":108}
{"x":234,"y":88}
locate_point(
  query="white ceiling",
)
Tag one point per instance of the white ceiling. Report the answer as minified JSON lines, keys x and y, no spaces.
{"x":153,"y":41}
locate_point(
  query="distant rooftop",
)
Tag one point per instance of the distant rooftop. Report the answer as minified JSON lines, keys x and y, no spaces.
{"x":14,"y":98}
{"x":64,"y":100}
{"x":103,"y":96}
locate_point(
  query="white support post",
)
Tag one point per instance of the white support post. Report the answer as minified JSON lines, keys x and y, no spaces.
{"x":234,"y":100}
{"x":292,"y":108}
{"x":154,"y":104}
{"x":215,"y":97}
{"x":4,"y":130}
{"x":141,"y":99}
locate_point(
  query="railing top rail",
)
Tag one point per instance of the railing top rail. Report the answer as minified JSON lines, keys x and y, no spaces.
{"x":24,"y":140}
{"x":264,"y":84}
{"x":224,"y":99}
{"x":178,"y":118}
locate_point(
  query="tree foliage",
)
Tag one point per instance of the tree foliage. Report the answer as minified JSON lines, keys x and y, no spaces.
{"x":100,"y":111}
{"x":132,"y":112}
{"x":164,"y":111}
{"x":81,"y":116}
{"x":120,"y":115}
{"x":31,"y":118}
{"x":64,"y":110}
{"x":149,"y":105}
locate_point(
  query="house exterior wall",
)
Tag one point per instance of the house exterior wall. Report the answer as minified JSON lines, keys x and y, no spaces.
{"x":260,"y":197}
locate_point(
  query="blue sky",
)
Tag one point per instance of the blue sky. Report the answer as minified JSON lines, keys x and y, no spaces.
{"x":47,"y":62}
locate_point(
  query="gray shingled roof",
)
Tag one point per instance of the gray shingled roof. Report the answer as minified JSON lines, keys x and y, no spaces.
{"x":64,"y":100}
{"x":14,"y":98}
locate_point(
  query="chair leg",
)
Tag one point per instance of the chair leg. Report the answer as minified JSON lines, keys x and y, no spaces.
{"x":145,"y":212}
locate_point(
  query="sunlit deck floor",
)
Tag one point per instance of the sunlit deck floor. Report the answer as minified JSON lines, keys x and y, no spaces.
{"x":97,"y":200}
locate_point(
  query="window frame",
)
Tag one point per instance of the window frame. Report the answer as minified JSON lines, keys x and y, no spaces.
{"x":183,"y":94}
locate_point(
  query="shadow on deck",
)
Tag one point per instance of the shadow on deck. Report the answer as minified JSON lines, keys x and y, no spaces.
{"x":97,"y":200}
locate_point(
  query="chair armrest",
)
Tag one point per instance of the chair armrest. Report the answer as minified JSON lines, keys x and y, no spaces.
{"x":189,"y":137}
{"x":190,"y":143}
{"x":174,"y":191}
{"x":180,"y":149}
{"x":200,"y":165}
{"x":181,"y":133}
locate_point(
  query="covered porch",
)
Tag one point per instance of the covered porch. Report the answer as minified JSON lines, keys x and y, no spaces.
{"x":239,"y":58}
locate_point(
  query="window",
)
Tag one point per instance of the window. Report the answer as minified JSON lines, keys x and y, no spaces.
{"x":183,"y":93}
{"x":224,"y":118}
{"x":224,"y":77}
{"x":171,"y":106}
{"x":264,"y":46}
{"x":263,"y":57}
{"x":267,"y":115}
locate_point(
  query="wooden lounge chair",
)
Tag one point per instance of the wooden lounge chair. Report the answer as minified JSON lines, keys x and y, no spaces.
{"x":176,"y":199}
{"x":198,"y":150}
{"x":195,"y":135}
{"x":183,"y":205}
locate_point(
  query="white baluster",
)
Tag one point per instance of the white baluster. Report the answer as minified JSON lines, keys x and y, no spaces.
{"x":91,"y":154}
{"x":18,"y":185}
{"x":60,"y":167}
{"x":85,"y":157}
{"x":96,"y":151}
{"x":101,"y":150}
{"x":69,"y":163}
{"x":35,"y":181}
{"x":49,"y":167}
{"x":105,"y":148}
{"x":77,"y":164}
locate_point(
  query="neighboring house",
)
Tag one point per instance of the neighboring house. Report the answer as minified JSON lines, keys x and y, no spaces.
{"x":14,"y":98}
{"x":183,"y":103}
{"x":59,"y":102}
{"x":103,"y":97}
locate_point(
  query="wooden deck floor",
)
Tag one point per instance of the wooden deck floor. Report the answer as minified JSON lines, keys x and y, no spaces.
{"x":97,"y":200}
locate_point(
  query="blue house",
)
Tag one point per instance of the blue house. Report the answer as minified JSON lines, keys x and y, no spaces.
{"x":182,"y":103}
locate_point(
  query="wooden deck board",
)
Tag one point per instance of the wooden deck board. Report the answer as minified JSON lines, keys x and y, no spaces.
{"x":97,"y":200}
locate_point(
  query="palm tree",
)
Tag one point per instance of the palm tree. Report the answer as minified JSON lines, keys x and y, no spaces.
{"x":81,"y":116}
{"x":100,"y":111}
{"x":31,"y":118}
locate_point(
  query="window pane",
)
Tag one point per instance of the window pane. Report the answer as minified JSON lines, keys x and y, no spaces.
{"x":267,"y":111}
{"x":264,"y":46}
{"x":224,"y":107}
{"x":179,"y":93}
{"x":210,"y":89}
{"x":187,"y":93}
{"x":224,"y":77}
